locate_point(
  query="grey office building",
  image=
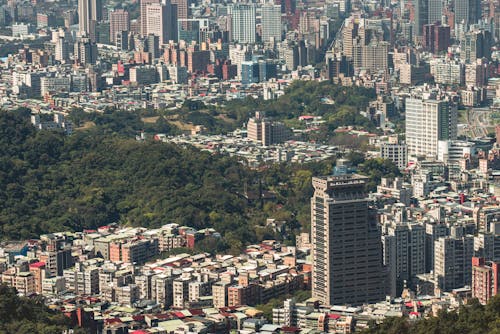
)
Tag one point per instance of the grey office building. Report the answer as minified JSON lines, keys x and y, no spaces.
{"x":347,"y":248}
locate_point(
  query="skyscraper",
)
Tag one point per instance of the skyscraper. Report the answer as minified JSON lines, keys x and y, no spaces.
{"x":453,"y":261}
{"x":161,"y":20}
{"x":404,"y":254}
{"x":421,"y":15}
{"x":182,"y":11}
{"x":467,"y":12}
{"x":243,"y":23}
{"x":347,"y":248}
{"x":144,"y":4}
{"x":271,"y":23}
{"x":89,"y":13}
{"x":427,"y":122}
{"x":435,"y":11}
{"x":118,"y":21}
{"x":85,"y":52}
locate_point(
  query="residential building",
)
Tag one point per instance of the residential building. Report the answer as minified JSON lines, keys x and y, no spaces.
{"x":453,"y":260}
{"x":266,"y":132}
{"x":271,"y":23}
{"x":347,"y":249}
{"x":119,"y":21}
{"x":485,"y":279}
{"x":427,"y":122}
{"x":242,"y":23}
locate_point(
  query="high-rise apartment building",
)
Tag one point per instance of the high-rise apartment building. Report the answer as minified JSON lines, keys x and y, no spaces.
{"x":404,"y":254}
{"x":453,"y":261}
{"x":271,"y":23}
{"x":485,"y":279}
{"x":374,"y":56}
{"x":85,"y":52}
{"x":89,"y":13}
{"x":161,"y":20}
{"x":243,"y":22}
{"x":427,"y":122}
{"x":143,"y":5}
{"x":119,"y":21}
{"x":266,"y":132}
{"x":346,"y":239}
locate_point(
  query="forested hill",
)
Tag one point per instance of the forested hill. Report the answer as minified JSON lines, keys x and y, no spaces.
{"x":51,"y":182}
{"x":470,"y":319}
{"x":23,"y":315}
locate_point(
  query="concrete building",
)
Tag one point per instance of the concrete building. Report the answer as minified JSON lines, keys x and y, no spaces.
{"x":453,"y":261}
{"x":119,"y":21}
{"x":271,"y":23}
{"x":447,"y":72}
{"x":347,"y":249}
{"x":242,"y":23}
{"x":427,"y":122}
{"x":143,"y":75}
{"x":143,"y":19}
{"x":89,"y":13}
{"x":161,"y":20}
{"x":485,"y":279}
{"x":266,"y":132}
{"x":397,"y":153}
{"x":85,"y":52}
{"x":404,"y":254}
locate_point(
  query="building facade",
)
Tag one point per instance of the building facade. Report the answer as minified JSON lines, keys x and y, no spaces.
{"x":346,"y":240}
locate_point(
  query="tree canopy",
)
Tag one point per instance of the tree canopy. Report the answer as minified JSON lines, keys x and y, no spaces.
{"x":24,"y":315}
{"x":473,"y":318}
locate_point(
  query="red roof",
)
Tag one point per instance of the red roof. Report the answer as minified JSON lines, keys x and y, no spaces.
{"x":138,"y":317}
{"x":334,"y":316}
{"x":37,"y":265}
{"x":179,"y":315}
{"x":112,"y":321}
{"x":196,"y":311}
{"x":139,"y":331}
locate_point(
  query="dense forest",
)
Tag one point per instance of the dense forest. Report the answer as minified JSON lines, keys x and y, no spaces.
{"x":101,"y":175}
{"x":473,"y":318}
{"x":52,"y":182}
{"x":24,"y":315}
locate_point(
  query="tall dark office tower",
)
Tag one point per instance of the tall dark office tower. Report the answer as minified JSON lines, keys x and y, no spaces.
{"x":182,"y":11}
{"x":421,"y":15}
{"x":467,"y":12}
{"x":347,"y":248}
{"x":89,"y":13}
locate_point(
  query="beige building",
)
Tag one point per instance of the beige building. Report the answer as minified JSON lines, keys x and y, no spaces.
{"x":266,"y":132}
{"x":24,"y":282}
